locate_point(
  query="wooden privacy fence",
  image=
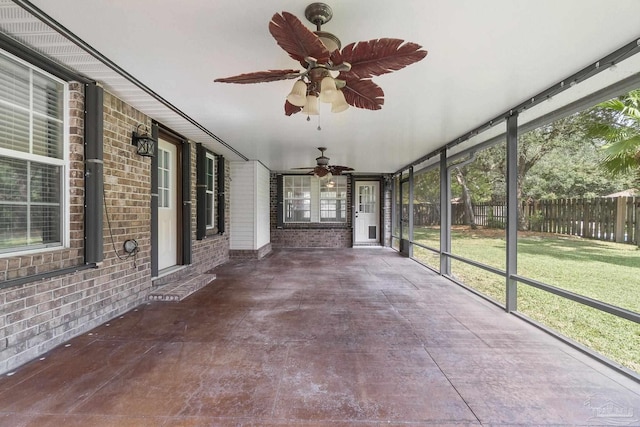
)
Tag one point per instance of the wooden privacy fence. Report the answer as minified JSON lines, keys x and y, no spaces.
{"x":615,"y":219}
{"x":603,"y":218}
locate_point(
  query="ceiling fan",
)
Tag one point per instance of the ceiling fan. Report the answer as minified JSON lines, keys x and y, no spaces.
{"x":319,"y":54}
{"x":323,"y":168}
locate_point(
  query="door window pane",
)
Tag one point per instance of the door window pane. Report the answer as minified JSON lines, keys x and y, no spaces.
{"x":366,"y":199}
{"x":164,"y":178}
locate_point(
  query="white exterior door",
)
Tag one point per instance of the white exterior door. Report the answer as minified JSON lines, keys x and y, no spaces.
{"x":167,"y":204}
{"x":367,"y":212}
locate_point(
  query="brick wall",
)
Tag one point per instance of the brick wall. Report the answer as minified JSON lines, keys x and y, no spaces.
{"x":311,"y":238}
{"x":309,"y":235}
{"x":37,"y":316}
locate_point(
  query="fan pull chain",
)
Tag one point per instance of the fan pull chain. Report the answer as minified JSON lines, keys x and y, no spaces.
{"x":309,"y":119}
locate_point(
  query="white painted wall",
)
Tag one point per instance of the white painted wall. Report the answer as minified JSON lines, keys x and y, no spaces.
{"x":249,"y":206}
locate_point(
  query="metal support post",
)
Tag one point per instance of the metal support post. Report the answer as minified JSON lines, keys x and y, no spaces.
{"x":410,"y":209}
{"x":445,"y":215}
{"x":512,"y":212}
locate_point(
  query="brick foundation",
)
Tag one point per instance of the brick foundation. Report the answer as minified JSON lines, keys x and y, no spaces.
{"x":250,"y":254}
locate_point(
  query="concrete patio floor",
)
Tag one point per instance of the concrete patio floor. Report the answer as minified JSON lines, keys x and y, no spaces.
{"x":352,"y":337}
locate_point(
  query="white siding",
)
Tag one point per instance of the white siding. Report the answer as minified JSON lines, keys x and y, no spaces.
{"x":249,"y":206}
{"x":242,"y":209}
{"x":263,"y":221}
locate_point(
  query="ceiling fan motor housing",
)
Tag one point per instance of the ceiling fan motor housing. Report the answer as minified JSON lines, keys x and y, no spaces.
{"x":322,"y":160}
{"x":318,"y":14}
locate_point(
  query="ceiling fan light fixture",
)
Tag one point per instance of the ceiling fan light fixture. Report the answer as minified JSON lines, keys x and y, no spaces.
{"x":328,"y":91}
{"x":311,"y":106}
{"x":298,"y":94}
{"x":339,"y":103}
{"x":331,"y":42}
{"x":323,"y":174}
{"x":320,"y":53}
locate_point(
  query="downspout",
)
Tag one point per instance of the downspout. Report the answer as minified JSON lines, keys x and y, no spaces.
{"x":94,"y":174}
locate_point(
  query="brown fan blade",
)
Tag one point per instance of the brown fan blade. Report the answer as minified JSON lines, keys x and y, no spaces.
{"x":380,"y":56}
{"x":290,"y":109}
{"x":296,"y":39}
{"x":320,"y":171}
{"x":338,"y":170}
{"x":261,"y":77}
{"x":336,"y":57}
{"x":362,"y":93}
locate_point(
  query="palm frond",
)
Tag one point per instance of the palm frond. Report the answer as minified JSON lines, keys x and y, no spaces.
{"x":619,"y":127}
{"x":380,"y":56}
{"x":362,"y":93}
{"x":260,"y":77}
{"x":622,"y":156}
{"x":296,"y":39}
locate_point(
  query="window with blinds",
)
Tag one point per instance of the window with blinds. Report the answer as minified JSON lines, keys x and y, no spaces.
{"x":32,"y":158}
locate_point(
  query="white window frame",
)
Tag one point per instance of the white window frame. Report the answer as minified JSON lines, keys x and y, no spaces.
{"x":299,"y":199}
{"x":338,"y":201}
{"x":210,"y":159}
{"x":63,"y":163}
{"x":315,"y":197}
{"x":164,"y":179}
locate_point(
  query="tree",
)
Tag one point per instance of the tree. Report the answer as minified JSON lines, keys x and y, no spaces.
{"x":618,"y":126}
{"x":572,"y":171}
{"x":469,"y":216}
{"x":426,"y":196}
{"x":427,"y":186}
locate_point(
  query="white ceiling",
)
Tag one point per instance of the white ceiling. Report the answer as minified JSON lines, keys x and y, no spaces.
{"x":484,"y":58}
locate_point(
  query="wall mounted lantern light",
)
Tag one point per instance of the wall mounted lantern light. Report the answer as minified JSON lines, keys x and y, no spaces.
{"x":142,"y":138}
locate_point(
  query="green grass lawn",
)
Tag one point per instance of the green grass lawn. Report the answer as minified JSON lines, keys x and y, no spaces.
{"x":605,"y":271}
